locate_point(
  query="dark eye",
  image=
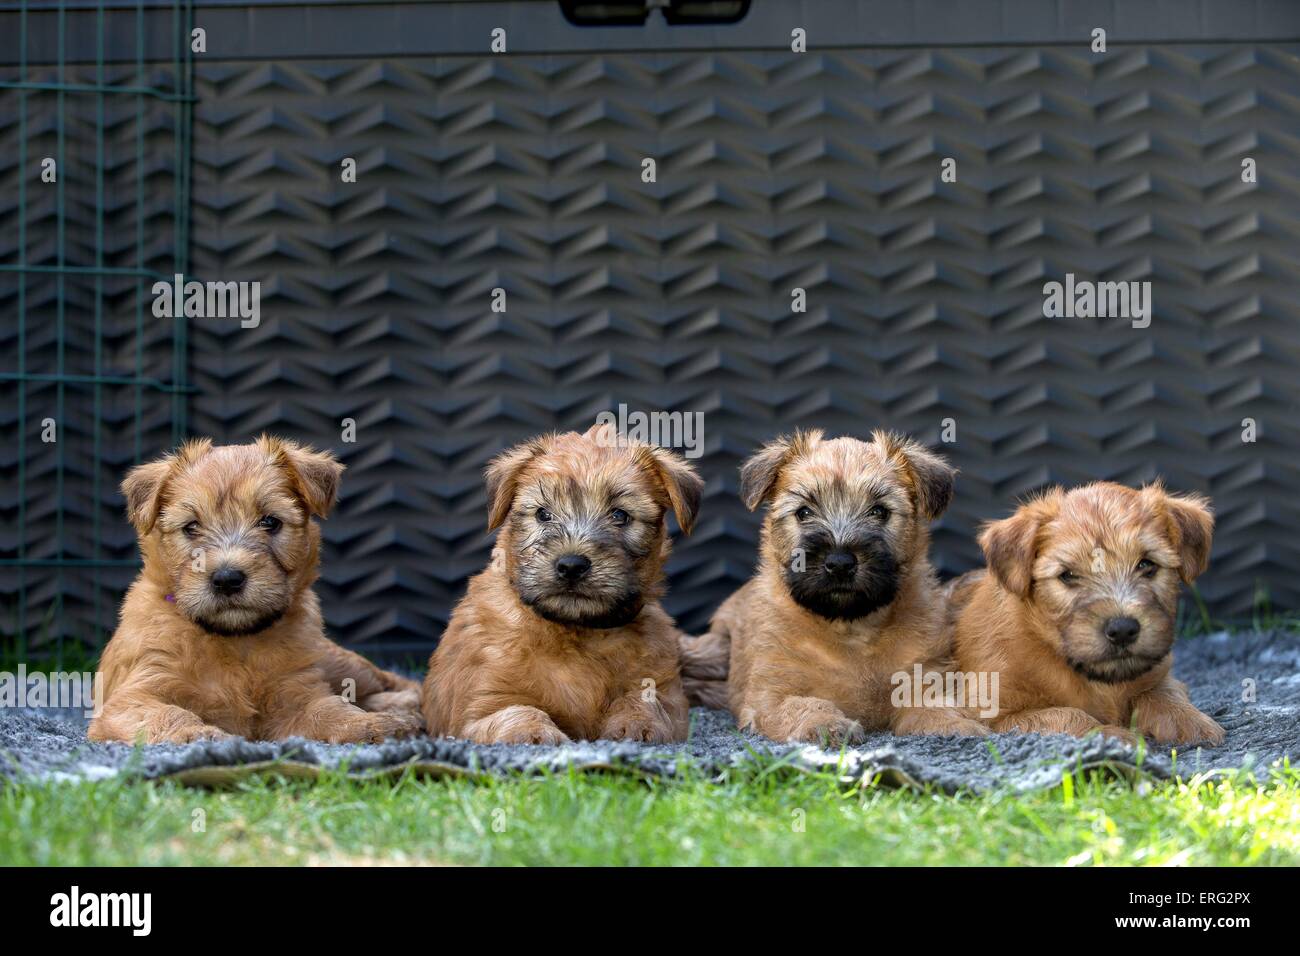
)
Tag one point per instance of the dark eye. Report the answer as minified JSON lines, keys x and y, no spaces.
{"x":1146,"y":567}
{"x":270,"y":524}
{"x":879,"y":512}
{"x":1068,"y":577}
{"x":804,"y":513}
{"x":191,"y":529}
{"x":543,"y":514}
{"x":618,"y":516}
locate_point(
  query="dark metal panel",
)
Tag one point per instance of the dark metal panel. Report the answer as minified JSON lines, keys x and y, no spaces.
{"x":775,"y":170}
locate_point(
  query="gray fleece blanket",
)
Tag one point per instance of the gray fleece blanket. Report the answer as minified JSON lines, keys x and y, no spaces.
{"x":1223,"y":673}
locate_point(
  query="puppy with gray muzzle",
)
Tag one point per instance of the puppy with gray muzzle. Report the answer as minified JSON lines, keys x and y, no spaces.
{"x":562,"y":636}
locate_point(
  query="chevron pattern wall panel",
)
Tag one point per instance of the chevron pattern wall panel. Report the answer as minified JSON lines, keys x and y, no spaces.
{"x":775,"y":171}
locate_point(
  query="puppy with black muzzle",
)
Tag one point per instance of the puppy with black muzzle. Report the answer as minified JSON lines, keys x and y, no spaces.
{"x":221,"y":633}
{"x":844,"y":599}
{"x":1077,"y":612}
{"x":562,"y":636}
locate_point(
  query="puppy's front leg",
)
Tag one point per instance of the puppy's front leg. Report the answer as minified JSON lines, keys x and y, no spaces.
{"x":153,"y":721}
{"x":653,"y":715}
{"x":1166,"y":714}
{"x":800,"y":720}
{"x":940,"y":721}
{"x":318,"y":714}
{"x":515,"y":724}
{"x":1060,"y":720}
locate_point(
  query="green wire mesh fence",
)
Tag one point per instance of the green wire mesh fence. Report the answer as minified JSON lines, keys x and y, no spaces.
{"x":95,"y":117}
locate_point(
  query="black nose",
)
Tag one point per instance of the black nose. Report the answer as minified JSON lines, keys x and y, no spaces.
{"x":228,"y":580}
{"x":840,"y":564}
{"x":572,"y":566}
{"x":1122,"y":631}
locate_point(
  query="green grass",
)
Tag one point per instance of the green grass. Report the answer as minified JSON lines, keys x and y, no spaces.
{"x":765,"y":817}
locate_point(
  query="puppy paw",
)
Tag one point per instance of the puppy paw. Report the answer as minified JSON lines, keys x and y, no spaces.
{"x":376,"y":728}
{"x":518,"y":724}
{"x":827,"y":731}
{"x":1116,"y":732}
{"x":188,"y":735}
{"x":807,"y":720}
{"x":1179,"y":725}
{"x":640,"y":729}
{"x":957,"y":727}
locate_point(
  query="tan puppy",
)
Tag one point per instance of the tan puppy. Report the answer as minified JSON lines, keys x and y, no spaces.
{"x":562,"y":635}
{"x":844,"y":599}
{"x":1076,"y":612}
{"x":221,"y":633}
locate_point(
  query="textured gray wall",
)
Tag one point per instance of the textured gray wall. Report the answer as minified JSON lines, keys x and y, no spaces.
{"x":775,"y":170}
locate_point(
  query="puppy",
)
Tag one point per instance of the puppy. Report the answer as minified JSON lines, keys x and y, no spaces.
{"x":562,"y":635}
{"x":1076,"y":612}
{"x":221,"y":633}
{"x":844,"y":598}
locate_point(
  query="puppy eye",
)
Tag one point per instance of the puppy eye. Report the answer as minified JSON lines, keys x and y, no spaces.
{"x":543,"y":514}
{"x":191,"y":529}
{"x":879,"y":512}
{"x":618,"y":516}
{"x":804,"y":513}
{"x":270,"y":524}
{"x":1068,"y":577}
{"x":1146,"y":567}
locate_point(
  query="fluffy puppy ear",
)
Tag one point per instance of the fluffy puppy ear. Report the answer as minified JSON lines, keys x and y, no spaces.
{"x":685,"y":488}
{"x":759,"y":473}
{"x":502,"y":476}
{"x":142,"y":488}
{"x":1011,"y":545}
{"x":1191,"y":531}
{"x":315,"y":474}
{"x":932,"y":477}
{"x":144,"y":485}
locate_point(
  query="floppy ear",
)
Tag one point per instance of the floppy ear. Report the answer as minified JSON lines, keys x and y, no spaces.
{"x":684,"y":486}
{"x":932,"y":476}
{"x":759,"y":472}
{"x":502,"y":476}
{"x":1011,"y":545}
{"x":144,"y":484}
{"x":1191,"y":531}
{"x":142,"y":489}
{"x":315,"y":474}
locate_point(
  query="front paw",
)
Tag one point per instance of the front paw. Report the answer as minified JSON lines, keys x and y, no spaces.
{"x":827,"y":730}
{"x":378,"y":727}
{"x":639,"y":728}
{"x":1179,"y":725}
{"x":518,"y":724}
{"x":188,"y":735}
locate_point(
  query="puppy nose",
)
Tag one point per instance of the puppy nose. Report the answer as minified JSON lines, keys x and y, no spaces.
{"x":1122,"y":631}
{"x":228,"y":580}
{"x":572,"y":566}
{"x":840,"y":563}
